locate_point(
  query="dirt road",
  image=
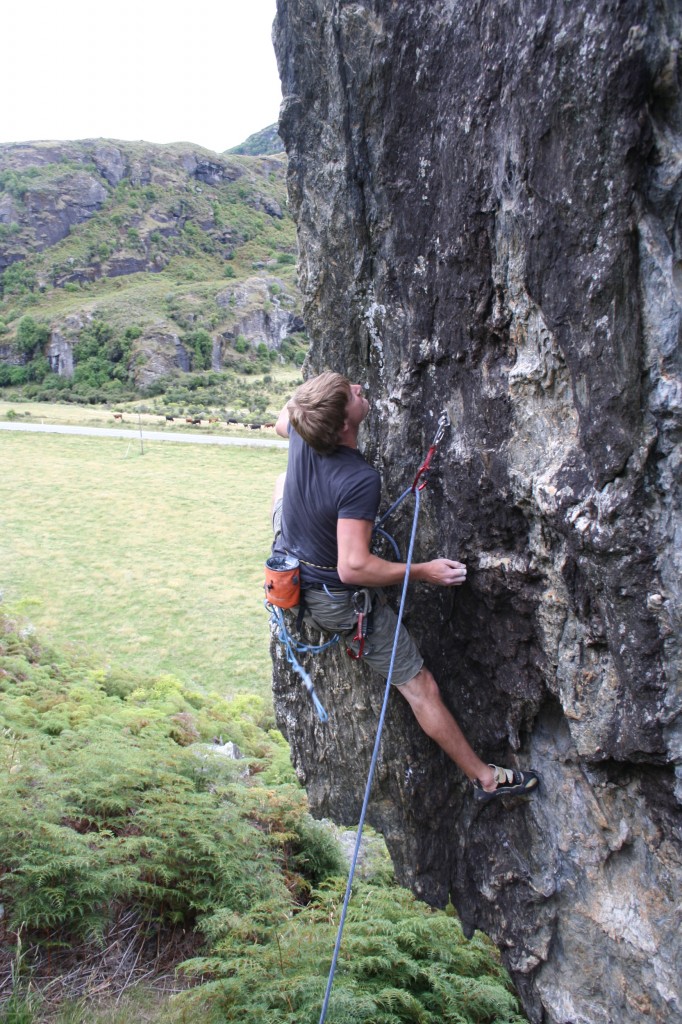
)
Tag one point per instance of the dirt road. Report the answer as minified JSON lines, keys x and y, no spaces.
{"x":146,"y":435}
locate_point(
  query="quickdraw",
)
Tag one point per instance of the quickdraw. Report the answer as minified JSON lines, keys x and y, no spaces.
{"x":422,"y":475}
{"x":362,"y":606}
{"x":424,"y":469}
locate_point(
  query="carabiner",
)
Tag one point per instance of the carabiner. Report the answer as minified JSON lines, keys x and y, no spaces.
{"x":443,"y":424}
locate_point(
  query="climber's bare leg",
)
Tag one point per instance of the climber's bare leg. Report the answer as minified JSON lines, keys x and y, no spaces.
{"x":423,"y":696}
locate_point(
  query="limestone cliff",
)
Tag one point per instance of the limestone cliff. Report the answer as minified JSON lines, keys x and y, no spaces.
{"x":488,"y":208}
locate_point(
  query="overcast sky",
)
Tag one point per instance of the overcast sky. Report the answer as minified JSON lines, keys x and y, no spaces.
{"x":201,"y":72}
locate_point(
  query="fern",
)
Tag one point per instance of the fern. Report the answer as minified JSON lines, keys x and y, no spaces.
{"x":398,"y":964}
{"x":106,"y":810}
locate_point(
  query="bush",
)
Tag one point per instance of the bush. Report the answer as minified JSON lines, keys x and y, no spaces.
{"x":31,"y":336}
{"x":402,"y":962}
{"x":200,"y":344}
{"x":12,"y":376}
{"x":18,"y":279}
{"x":102,"y":357}
{"x":105,"y":812}
{"x":112,"y":811}
{"x":37,"y":370}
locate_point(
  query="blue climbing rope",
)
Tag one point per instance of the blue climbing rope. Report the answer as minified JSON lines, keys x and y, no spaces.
{"x":294,"y":647}
{"x":418,"y":485}
{"x":375,"y":755}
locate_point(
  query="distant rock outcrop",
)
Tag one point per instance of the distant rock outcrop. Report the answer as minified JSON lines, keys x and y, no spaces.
{"x":262,"y":308}
{"x":261,"y":143}
{"x":78,"y":216}
{"x":489,"y":203}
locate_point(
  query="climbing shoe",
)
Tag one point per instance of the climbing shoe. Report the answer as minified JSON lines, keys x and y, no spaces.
{"x":510,"y":782}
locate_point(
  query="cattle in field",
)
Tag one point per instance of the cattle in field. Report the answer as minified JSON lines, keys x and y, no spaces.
{"x":254,"y":426}
{"x":214,"y":419}
{"x":118,"y":416}
{"x":170,"y":419}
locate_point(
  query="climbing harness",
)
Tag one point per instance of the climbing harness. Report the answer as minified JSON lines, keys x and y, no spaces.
{"x":416,"y":488}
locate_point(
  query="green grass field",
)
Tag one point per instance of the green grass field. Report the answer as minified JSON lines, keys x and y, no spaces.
{"x":152,"y":561}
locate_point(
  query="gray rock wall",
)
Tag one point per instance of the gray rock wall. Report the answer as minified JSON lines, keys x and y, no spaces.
{"x":488,"y":206}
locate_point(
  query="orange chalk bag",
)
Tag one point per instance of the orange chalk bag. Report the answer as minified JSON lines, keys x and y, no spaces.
{"x":283,"y":581}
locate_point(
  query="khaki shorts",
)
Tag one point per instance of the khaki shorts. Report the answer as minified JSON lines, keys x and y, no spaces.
{"x":333,"y":611}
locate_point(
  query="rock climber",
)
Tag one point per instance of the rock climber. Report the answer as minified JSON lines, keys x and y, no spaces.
{"x":324,"y":510}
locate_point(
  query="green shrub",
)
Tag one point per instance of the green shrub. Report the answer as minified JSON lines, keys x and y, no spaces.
{"x":38,"y":369}
{"x":101,"y":807}
{"x":110,"y":806}
{"x":12,"y":182}
{"x":200,"y":344}
{"x":400,"y":962}
{"x":31,"y":336}
{"x":18,"y":279}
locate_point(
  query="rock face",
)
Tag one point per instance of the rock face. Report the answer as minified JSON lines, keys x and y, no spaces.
{"x":488,"y":201}
{"x":263,"y":308}
{"x":156,"y":354}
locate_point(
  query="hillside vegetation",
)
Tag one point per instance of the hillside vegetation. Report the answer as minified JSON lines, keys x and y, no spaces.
{"x":131,"y":269}
{"x":132,"y":845}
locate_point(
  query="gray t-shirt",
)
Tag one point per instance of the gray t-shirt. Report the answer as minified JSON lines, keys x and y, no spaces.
{"x":319,"y":490}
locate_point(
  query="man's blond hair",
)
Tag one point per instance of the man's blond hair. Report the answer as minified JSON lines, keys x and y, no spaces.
{"x":317,"y":410}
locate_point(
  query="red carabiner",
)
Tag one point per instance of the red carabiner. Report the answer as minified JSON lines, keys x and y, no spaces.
{"x":359,"y":638}
{"x":424,"y":470}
